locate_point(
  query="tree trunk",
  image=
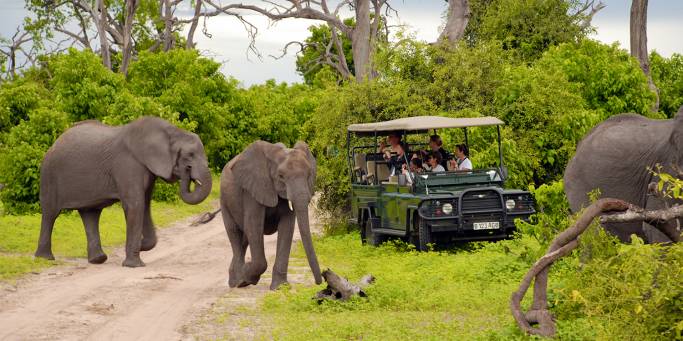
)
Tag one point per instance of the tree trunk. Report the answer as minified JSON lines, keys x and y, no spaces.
{"x":360,"y":41}
{"x":193,"y":26}
{"x":104,"y":43}
{"x":168,"y":24}
{"x":131,"y":6}
{"x":639,"y":42}
{"x":456,"y":21}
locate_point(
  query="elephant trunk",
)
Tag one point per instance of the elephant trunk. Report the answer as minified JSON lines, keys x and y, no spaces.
{"x":202,"y":186}
{"x":307,"y":240}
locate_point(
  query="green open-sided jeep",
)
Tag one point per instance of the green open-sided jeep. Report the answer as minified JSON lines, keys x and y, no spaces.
{"x":425,"y":208}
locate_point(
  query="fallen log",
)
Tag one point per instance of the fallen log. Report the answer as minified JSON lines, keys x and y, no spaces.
{"x":339,"y":288}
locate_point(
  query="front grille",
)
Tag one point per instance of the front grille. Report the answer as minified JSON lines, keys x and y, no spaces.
{"x":481,"y":200}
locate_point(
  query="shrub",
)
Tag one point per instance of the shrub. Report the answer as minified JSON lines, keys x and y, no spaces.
{"x":21,"y":154}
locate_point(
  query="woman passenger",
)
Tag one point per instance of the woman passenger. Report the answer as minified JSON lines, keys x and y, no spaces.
{"x":462,"y":161}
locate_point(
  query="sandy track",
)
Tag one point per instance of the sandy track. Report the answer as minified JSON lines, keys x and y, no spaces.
{"x":185,"y":274}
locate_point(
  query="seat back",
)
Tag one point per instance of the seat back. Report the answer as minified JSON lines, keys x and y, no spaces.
{"x":383,"y":171}
{"x":359,"y":161}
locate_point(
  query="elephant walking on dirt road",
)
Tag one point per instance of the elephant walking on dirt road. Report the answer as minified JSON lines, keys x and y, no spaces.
{"x":93,"y":165}
{"x":263,"y":190}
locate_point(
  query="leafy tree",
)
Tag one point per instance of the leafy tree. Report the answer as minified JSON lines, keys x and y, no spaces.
{"x":667,"y":73}
{"x":526,"y":27}
{"x":21,"y":153}
{"x":311,"y":59}
{"x":606,"y":76}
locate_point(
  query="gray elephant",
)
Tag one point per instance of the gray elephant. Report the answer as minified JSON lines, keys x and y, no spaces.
{"x":263,"y":190}
{"x":614,"y":158}
{"x":93,"y":165}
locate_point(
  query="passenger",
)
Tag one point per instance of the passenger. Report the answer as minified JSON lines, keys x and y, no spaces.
{"x":436,"y":145}
{"x":415,"y":169}
{"x":396,"y":162}
{"x":394,"y":139}
{"x":434,"y":161}
{"x":462,"y":162}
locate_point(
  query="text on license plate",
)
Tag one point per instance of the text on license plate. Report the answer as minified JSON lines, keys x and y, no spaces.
{"x":489,"y":225}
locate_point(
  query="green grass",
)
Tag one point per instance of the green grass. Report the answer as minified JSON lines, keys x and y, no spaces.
{"x":464,"y":294}
{"x":19,"y":234}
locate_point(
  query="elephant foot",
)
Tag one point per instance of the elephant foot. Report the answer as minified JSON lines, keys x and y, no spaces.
{"x":276,"y":284}
{"x":148,"y":244}
{"x":98,"y":258}
{"x":45,"y":254}
{"x":233,"y":281}
{"x":133,"y":262}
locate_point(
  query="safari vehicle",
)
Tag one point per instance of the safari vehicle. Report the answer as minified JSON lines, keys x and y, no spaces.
{"x":429,"y":207}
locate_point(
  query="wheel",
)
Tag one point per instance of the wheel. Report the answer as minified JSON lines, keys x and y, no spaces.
{"x":372,"y":238}
{"x":423,"y":236}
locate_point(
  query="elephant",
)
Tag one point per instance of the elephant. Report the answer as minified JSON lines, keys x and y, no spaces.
{"x":263,"y":190}
{"x":92,"y":165}
{"x":617,"y":157}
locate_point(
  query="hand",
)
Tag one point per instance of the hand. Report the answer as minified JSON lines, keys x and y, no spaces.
{"x":454,"y":165}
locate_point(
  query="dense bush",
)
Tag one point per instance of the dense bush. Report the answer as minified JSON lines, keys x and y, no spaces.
{"x":667,"y":74}
{"x":180,"y":86}
{"x":21,"y":152}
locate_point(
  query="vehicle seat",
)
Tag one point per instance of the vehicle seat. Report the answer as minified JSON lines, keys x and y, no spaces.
{"x":360,"y":163}
{"x":382,"y":170}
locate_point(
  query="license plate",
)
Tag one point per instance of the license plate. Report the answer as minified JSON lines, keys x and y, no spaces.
{"x":489,"y":225}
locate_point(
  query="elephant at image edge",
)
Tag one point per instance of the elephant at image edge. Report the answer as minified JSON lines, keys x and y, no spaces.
{"x":263,"y":190}
{"x":93,"y":165}
{"x":614,"y":158}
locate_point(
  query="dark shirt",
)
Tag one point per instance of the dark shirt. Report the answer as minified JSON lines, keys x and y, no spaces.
{"x":444,"y":157}
{"x":396,"y":162}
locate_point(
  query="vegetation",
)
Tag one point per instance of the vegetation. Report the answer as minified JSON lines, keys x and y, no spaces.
{"x":464,"y":292}
{"x":527,"y":62}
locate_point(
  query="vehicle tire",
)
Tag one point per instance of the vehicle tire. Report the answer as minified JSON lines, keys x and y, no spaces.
{"x":423,"y":236}
{"x":373,"y":238}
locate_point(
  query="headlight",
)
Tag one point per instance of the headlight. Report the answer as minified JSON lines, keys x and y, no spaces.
{"x":447,"y":208}
{"x":510,"y":204}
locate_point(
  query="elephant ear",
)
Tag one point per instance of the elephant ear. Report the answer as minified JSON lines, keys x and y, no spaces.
{"x":677,"y":136}
{"x":302,"y":146}
{"x":149,"y":140}
{"x":253,"y":171}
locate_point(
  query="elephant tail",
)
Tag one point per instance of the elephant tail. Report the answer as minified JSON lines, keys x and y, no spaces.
{"x":205,"y":218}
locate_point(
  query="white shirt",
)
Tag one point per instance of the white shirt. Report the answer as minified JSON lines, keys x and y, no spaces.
{"x":438,"y":168}
{"x":465,"y":164}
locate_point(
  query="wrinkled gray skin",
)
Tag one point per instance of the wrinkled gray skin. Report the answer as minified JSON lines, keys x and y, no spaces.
{"x":92,"y":165}
{"x":615,"y":157}
{"x":255,"y":189}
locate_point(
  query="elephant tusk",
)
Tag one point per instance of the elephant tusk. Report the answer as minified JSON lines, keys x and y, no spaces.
{"x":197,"y":182}
{"x":290,"y":205}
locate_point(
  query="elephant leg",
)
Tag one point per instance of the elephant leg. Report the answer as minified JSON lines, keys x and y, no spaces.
{"x":254,"y":217}
{"x":238,"y":243}
{"x":47,"y":222}
{"x":91,"y":221}
{"x":134,"y":221}
{"x":285,"y":232}
{"x":149,"y":235}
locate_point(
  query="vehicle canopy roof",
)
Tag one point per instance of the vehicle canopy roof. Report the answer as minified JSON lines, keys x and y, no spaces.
{"x":421,"y":124}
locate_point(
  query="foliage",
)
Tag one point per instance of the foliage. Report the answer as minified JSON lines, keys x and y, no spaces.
{"x":633,"y":292}
{"x":527,"y":27}
{"x":308,"y":63}
{"x":606,"y":76}
{"x":21,"y":152}
{"x":552,"y":216}
{"x":180,"y":86}
{"x":667,"y":74}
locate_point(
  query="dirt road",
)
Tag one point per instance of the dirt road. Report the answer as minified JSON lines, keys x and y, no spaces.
{"x":185,"y":274}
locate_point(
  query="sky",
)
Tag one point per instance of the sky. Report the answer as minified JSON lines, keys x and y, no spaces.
{"x":229,"y":42}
